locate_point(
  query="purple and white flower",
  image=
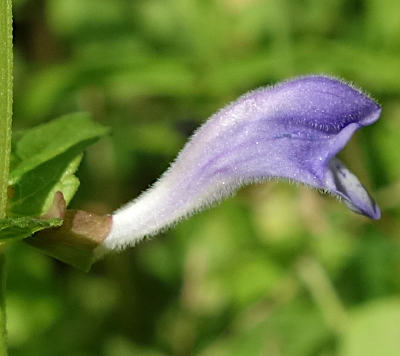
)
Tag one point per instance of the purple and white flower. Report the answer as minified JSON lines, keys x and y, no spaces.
{"x":291,"y":131}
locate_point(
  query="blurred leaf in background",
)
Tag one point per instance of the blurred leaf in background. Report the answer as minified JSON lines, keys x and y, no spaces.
{"x":229,"y":281}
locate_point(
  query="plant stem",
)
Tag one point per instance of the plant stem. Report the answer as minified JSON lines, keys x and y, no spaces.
{"x":6,"y":87}
{"x":317,"y":281}
{"x":6,"y":68}
{"x":3,"y":319}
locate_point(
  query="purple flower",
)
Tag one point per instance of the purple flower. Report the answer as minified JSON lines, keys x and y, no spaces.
{"x":291,"y":131}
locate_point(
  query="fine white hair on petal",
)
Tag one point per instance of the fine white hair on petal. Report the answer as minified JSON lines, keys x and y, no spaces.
{"x":145,"y":217}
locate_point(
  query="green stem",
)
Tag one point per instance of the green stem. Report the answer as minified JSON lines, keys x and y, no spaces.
{"x":3,"y":319}
{"x":6,"y":85}
{"x":317,"y":281}
{"x":6,"y":78}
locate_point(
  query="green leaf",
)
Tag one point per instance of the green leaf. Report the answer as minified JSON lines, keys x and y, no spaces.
{"x":22,"y":227}
{"x":45,"y":159}
{"x":374,"y":329}
{"x":47,"y":141}
{"x":295,"y":329}
{"x":34,"y":191}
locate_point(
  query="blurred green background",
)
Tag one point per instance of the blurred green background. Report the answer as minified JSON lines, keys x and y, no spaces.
{"x":278,"y":270}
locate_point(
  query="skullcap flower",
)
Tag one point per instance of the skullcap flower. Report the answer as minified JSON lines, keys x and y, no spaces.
{"x":290,"y":131}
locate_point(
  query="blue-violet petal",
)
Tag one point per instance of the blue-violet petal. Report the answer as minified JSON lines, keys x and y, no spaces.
{"x":292,"y":131}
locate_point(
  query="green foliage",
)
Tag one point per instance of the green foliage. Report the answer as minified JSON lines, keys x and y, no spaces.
{"x":373,"y":330}
{"x":45,"y":142}
{"x":226,"y":281}
{"x":22,"y":227}
{"x":44,"y":160}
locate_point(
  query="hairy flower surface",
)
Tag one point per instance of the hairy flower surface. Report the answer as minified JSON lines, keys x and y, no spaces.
{"x":292,"y":131}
